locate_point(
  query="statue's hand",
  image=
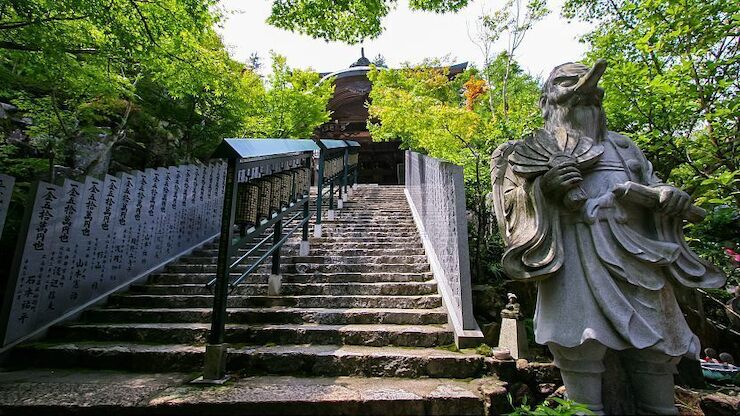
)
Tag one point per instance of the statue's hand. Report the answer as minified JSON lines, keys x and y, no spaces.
{"x":561,"y":178}
{"x":673,"y":201}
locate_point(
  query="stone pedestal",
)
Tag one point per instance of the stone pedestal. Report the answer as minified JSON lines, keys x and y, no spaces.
{"x":513,"y":337}
{"x":304,"y":248}
{"x":214,"y":368}
{"x":274,"y":282}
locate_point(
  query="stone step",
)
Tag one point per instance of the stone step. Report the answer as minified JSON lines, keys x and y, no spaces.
{"x":288,"y":289}
{"x":333,"y":245}
{"x":369,"y":239}
{"x":362,"y":258}
{"x":330,"y":258}
{"x":390,"y":212}
{"x":333,"y":268}
{"x":320,"y":250}
{"x":203,"y":278}
{"x":323,"y":301}
{"x":369,"y":224}
{"x":316,"y":360}
{"x":43,"y":392}
{"x":196,"y":333}
{"x":343,"y":316}
{"x":341,"y":250}
{"x":364,"y":234}
{"x":306,"y":267}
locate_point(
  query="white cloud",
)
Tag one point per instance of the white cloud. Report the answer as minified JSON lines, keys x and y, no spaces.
{"x":409,"y":36}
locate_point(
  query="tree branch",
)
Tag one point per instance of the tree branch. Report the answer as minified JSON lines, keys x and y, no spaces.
{"x":28,"y":48}
{"x":18,"y":25}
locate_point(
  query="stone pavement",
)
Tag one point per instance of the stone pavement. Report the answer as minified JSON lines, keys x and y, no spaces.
{"x":88,"y":392}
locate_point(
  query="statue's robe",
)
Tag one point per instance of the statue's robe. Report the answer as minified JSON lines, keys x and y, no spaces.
{"x":606,"y":271}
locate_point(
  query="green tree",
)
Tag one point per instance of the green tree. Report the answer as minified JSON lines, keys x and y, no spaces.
{"x":424,"y":108}
{"x":152,"y":78}
{"x":72,"y":67}
{"x":515,"y":18}
{"x":348,"y":21}
{"x":292,"y":104}
{"x":672,"y":85}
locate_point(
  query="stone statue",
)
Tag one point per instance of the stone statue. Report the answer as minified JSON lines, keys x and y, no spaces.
{"x":583,"y":215}
{"x":513,"y":335}
{"x":511,"y":310}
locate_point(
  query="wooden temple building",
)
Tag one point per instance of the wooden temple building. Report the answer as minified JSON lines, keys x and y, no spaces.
{"x":379,"y":162}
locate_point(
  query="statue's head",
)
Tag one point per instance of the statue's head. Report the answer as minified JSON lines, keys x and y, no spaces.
{"x":571,"y":98}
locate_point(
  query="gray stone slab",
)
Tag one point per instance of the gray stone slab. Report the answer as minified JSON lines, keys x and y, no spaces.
{"x":436,"y":193}
{"x":30,"y":302}
{"x":107,"y":230}
{"x":86,"y":239}
{"x":76,"y":389}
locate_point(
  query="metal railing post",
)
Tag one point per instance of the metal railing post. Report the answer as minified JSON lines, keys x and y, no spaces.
{"x":319,"y":196}
{"x":330,"y":213}
{"x":345,"y":172}
{"x":214,"y":368}
{"x":304,"y":247}
{"x":275,"y":280}
{"x":331,"y":195}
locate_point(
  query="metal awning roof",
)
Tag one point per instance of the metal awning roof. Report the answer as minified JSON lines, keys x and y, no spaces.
{"x":249,"y":148}
{"x":333,"y":144}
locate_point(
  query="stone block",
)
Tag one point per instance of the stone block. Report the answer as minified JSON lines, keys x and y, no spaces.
{"x":514,"y":337}
{"x":274,"y":285}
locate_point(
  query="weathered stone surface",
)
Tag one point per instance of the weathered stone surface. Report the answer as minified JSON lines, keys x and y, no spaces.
{"x":582,"y":212}
{"x":42,"y":391}
{"x":546,"y":389}
{"x":312,"y":301}
{"x":54,"y":392}
{"x":720,"y":404}
{"x":328,"y":316}
{"x":328,"y":360}
{"x":355,"y":321}
{"x":496,"y":395}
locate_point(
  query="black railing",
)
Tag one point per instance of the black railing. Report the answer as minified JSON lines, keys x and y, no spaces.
{"x":267,"y":188}
{"x":336,"y":174}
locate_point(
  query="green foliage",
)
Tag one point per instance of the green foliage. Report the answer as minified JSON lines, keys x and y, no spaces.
{"x":719,"y":230}
{"x":557,"y":407}
{"x":672,"y":86}
{"x":349,"y":21}
{"x":292,"y":105}
{"x":151,"y":77}
{"x":424,"y":108}
{"x":484,"y":349}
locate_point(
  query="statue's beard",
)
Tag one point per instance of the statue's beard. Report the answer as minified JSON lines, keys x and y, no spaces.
{"x":585,"y":119}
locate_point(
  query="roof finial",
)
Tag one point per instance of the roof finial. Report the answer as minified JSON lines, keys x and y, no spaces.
{"x":362,"y":61}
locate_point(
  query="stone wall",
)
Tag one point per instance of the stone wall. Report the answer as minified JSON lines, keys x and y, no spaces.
{"x":85,"y":240}
{"x":436,"y":193}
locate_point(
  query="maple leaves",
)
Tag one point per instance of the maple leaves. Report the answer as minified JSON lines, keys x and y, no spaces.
{"x":474,"y":88}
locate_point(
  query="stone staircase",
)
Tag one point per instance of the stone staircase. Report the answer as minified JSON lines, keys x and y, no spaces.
{"x":362,"y":304}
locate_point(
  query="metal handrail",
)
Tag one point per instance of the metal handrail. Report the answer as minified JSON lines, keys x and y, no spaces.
{"x":255,"y":159}
{"x":269,"y":252}
{"x":259,"y":245}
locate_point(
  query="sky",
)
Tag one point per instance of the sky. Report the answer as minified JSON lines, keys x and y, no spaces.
{"x":409,"y":36}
